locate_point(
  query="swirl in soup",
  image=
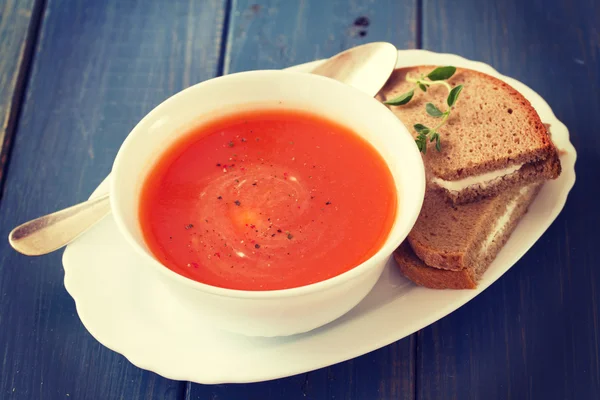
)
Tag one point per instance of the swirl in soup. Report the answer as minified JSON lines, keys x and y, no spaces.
{"x":267,"y":199}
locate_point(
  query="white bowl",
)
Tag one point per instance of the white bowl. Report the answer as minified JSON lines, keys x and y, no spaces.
{"x":276,"y":312}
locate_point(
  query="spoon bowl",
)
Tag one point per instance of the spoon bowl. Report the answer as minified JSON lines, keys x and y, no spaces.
{"x":365,"y":67}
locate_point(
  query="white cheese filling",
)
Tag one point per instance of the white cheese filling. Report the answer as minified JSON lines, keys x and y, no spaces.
{"x":503,"y":221}
{"x":477,"y":180}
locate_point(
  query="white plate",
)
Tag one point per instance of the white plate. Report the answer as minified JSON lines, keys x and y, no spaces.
{"x":132,"y":314}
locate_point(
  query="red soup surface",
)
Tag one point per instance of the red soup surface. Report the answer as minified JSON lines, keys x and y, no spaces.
{"x":265,"y":200}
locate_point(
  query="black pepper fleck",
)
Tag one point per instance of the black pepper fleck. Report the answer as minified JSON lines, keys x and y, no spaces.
{"x":279,"y":230}
{"x":362,"y":33}
{"x":328,"y":203}
{"x":220,"y":198}
{"x":290,"y":236}
{"x":189,"y":226}
{"x":237,"y":203}
{"x":257,"y":246}
{"x":230,"y":144}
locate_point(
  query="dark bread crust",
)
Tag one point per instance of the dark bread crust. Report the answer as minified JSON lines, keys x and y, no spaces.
{"x":529,"y":173}
{"x":503,"y":237}
{"x":492,"y":127}
{"x":468,"y":265}
{"x":416,"y":270}
{"x":447,"y":236}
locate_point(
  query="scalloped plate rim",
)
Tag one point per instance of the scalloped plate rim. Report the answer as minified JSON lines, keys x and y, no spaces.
{"x":238,"y":374}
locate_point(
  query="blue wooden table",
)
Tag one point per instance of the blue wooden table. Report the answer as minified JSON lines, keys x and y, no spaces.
{"x":76,"y":76}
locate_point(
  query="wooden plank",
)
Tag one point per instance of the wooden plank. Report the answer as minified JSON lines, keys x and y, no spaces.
{"x":273,"y":35}
{"x":18,"y":27}
{"x":98,"y":68}
{"x":387,"y":373}
{"x":535,"y":333}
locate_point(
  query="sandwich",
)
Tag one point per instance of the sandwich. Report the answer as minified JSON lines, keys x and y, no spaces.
{"x":493,"y":141}
{"x":450,"y":247}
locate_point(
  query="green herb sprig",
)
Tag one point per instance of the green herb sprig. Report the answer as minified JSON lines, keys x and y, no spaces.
{"x":436,"y":77}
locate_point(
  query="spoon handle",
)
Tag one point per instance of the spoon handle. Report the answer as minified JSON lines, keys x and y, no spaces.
{"x":53,"y":231}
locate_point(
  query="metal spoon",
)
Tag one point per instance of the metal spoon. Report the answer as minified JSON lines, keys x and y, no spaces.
{"x":365,"y":67}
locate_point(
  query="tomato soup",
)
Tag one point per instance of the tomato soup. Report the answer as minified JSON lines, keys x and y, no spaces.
{"x":265,"y":200}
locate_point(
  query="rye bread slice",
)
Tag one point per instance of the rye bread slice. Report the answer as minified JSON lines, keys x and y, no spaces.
{"x":535,"y":172}
{"x":492,"y":127}
{"x":451,"y":246}
{"x":414,"y":269}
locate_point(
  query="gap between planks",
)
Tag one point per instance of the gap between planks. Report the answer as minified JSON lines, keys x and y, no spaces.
{"x":18,"y":95}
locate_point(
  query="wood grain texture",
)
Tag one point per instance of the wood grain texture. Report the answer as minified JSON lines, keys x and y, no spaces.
{"x":278,"y":34}
{"x":18,"y":28}
{"x":98,"y":68}
{"x":534,"y":334}
{"x":387,"y":373}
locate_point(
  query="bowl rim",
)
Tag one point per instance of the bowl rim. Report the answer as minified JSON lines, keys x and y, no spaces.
{"x":386,"y":250}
